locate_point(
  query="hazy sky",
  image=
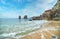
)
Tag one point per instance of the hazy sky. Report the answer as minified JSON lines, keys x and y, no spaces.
{"x":14,"y":8}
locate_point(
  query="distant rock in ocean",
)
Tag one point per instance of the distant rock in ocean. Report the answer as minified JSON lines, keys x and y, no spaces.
{"x":19,"y":17}
{"x":25,"y":17}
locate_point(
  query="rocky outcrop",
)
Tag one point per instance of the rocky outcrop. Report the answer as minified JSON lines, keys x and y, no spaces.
{"x":53,"y":14}
{"x":56,"y":12}
{"x":25,"y":17}
{"x":36,"y":18}
{"x":19,"y":17}
{"x":44,"y":16}
{"x":57,"y":6}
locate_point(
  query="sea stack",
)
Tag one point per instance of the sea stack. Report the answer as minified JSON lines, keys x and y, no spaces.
{"x":25,"y":17}
{"x":19,"y":17}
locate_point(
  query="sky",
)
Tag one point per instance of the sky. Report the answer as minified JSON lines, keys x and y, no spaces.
{"x":15,"y":8}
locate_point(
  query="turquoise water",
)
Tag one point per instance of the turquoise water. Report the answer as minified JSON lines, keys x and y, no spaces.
{"x":14,"y":28}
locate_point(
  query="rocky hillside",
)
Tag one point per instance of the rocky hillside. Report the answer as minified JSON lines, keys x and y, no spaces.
{"x":57,"y":6}
{"x":53,"y":14}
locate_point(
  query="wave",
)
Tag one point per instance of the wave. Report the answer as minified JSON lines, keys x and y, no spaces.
{"x":20,"y":34}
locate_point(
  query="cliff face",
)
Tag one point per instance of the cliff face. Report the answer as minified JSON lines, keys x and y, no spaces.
{"x":53,"y":14}
{"x":57,"y":6}
{"x":56,"y":11}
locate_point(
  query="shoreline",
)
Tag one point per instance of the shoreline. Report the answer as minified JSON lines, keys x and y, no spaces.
{"x":33,"y":35}
{"x":38,"y":32}
{"x":33,"y":31}
{"x":23,"y":33}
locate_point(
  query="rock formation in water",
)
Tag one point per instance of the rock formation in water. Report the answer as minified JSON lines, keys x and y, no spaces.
{"x":19,"y":17}
{"x":25,"y":17}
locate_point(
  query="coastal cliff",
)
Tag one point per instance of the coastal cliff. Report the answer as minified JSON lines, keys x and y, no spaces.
{"x":53,"y":14}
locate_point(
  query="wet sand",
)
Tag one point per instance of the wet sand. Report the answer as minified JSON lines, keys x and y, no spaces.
{"x":50,"y":30}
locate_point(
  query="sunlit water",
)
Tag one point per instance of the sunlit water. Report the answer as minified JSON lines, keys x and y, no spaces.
{"x":14,"y":28}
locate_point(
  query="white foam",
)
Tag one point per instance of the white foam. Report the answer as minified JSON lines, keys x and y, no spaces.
{"x":34,"y":25}
{"x":7,"y":35}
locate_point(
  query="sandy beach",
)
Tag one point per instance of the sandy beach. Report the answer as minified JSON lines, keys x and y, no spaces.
{"x":50,"y":30}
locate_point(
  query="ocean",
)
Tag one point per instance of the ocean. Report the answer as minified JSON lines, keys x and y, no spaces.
{"x":13,"y":28}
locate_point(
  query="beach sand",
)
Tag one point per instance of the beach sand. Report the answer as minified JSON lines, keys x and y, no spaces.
{"x":50,"y":30}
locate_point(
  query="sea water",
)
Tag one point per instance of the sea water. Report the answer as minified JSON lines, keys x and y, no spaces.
{"x":13,"y":28}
